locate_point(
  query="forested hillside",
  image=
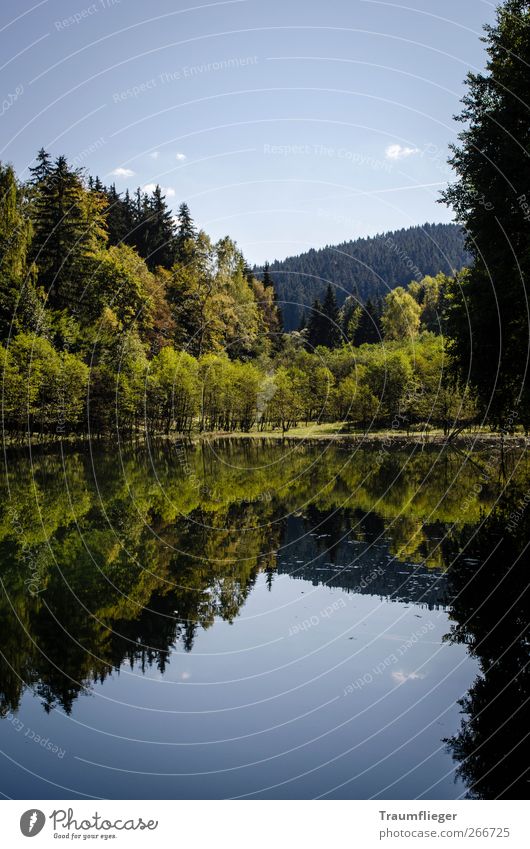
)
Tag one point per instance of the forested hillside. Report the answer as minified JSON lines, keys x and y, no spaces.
{"x":116,"y":316}
{"x":367,"y":268}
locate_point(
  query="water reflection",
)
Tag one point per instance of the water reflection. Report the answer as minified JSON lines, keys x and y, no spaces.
{"x":489,"y":588}
{"x":113,"y":560}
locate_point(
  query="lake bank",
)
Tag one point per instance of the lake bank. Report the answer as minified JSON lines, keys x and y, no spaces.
{"x":476,"y":439}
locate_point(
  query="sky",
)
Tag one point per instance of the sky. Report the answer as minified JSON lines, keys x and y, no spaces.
{"x":286,"y":124}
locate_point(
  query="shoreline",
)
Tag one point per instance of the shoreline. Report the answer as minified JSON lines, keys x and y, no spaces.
{"x":465,"y":439}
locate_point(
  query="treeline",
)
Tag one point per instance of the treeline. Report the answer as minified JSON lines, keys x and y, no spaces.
{"x":396,"y":386}
{"x":113,"y":315}
{"x":77,"y":261}
{"x":399,"y":316}
{"x":367,"y":268}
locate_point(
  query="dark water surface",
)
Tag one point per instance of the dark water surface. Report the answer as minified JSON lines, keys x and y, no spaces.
{"x":263,"y":620}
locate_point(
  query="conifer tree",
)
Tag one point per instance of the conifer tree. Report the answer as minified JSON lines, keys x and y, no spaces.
{"x":369,"y":330}
{"x":186,"y":234}
{"x":267,"y":279}
{"x":331,"y":335}
{"x":160,"y":232}
{"x":67,"y":227}
{"x":42,"y":169}
{"x":488,"y":306}
{"x":315,"y":326}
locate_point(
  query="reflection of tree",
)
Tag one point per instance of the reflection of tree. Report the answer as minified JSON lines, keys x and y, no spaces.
{"x":359,"y":560}
{"x":491,"y":609}
{"x":134,"y":559}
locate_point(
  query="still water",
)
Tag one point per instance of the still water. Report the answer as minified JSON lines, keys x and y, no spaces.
{"x":253,"y":619}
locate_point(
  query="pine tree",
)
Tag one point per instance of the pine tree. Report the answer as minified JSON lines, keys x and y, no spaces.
{"x":21,"y":306}
{"x":488,"y":306}
{"x":67,"y":226}
{"x":331,"y":320}
{"x":267,"y":279}
{"x":315,"y":333}
{"x":369,"y":330}
{"x":160,"y":233}
{"x":119,"y":216}
{"x":42,"y":169}
{"x":186,"y":234}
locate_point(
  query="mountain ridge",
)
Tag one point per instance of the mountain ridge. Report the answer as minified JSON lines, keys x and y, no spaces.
{"x":368,"y":267}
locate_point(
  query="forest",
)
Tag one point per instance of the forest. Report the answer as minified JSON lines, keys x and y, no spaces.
{"x":111,"y":309}
{"x":116,"y":314}
{"x":368,"y":268}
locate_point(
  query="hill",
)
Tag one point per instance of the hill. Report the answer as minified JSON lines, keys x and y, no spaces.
{"x":367,"y":267}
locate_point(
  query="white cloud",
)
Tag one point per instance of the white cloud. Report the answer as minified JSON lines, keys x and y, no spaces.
{"x":397,"y":151}
{"x":166,"y":190}
{"x":122,"y":172}
{"x":155,"y":154}
{"x":401,"y":677}
{"x":180,"y":156}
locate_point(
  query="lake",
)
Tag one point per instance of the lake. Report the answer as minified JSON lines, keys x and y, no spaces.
{"x":262,"y":619}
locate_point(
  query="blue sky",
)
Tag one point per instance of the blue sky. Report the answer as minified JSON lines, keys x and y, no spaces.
{"x":287,"y":124}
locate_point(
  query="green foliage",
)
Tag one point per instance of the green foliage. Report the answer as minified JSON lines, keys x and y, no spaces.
{"x":401,"y":316}
{"x":68,"y":229}
{"x":324,"y":324}
{"x":365,"y":268}
{"x":172,"y":391}
{"x":488,"y":309}
{"x":44,"y":391}
{"x":121,"y":282}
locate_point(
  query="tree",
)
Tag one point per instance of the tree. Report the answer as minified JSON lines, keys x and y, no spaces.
{"x":285,"y":406}
{"x":331,"y":320}
{"x":69,"y":227}
{"x":323,"y":326}
{"x":173,"y":396}
{"x":120,"y":281}
{"x":21,"y":304}
{"x":160,"y":232}
{"x":488,"y":306}
{"x":186,"y":234}
{"x":270,"y":320}
{"x":389,"y":378}
{"x":350,"y":316}
{"x":365,"y":268}
{"x":119,"y":215}
{"x":235,"y":300}
{"x":368,"y":330}
{"x":315,"y":332}
{"x":356,"y":404}
{"x":42,"y":170}
{"x":401,"y":315}
{"x":195,"y":301}
{"x":267,"y":279}
{"x":50,"y":391}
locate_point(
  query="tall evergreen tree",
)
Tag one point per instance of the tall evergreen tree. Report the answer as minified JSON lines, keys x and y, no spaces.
{"x":315,"y":330}
{"x":21,"y":306}
{"x":160,"y":232}
{"x":488,"y":318}
{"x":119,"y":216}
{"x":42,"y":169}
{"x":331,"y":320}
{"x":67,"y":227}
{"x":186,"y":234}
{"x":369,"y":330}
{"x":267,"y":279}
